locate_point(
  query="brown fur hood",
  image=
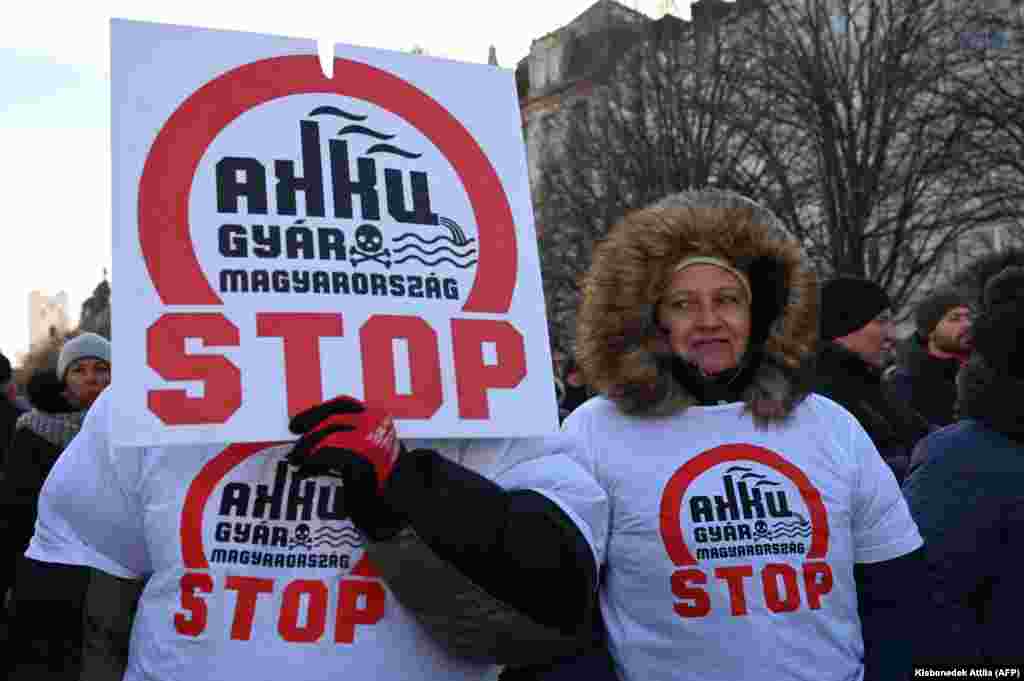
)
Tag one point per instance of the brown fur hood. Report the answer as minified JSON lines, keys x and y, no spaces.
{"x":621,"y":349}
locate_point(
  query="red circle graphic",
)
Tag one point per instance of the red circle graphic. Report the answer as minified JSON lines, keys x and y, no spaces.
{"x":675,"y":490}
{"x":174,"y":158}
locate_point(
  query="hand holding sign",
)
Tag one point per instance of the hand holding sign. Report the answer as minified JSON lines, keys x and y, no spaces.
{"x":346,"y":439}
{"x":335,"y":431}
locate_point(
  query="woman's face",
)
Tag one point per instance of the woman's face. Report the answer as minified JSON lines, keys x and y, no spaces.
{"x":706,"y":313}
{"x":86,"y":379}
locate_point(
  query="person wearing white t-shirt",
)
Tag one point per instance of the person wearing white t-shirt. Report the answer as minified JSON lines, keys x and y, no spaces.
{"x":346,"y":554}
{"x":754,"y":532}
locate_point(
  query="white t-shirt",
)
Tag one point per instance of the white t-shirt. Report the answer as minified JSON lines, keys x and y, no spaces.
{"x":251,"y":575}
{"x":731,"y":548}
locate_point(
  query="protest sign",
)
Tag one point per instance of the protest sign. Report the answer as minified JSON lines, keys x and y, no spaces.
{"x":281,"y":237}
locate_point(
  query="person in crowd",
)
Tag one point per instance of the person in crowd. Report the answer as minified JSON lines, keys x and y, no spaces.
{"x":755,"y":530}
{"x":10,"y":410}
{"x":925,"y":374}
{"x":966,"y":494}
{"x":60,"y":399}
{"x":855,"y":331}
{"x":414,"y":560}
{"x":9,"y":413}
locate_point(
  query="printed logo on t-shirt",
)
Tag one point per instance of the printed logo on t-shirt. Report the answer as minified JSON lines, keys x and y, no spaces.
{"x":746,"y":516}
{"x":749,"y":515}
{"x":288,"y":523}
{"x":291,"y":566}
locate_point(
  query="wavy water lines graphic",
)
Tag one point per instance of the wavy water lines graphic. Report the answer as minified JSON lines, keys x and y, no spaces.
{"x":335,"y":111}
{"x":417,"y":237}
{"x":338,"y":544}
{"x":363,"y":130}
{"x":792,"y":529}
{"x":342,"y":533}
{"x":439,"y":249}
{"x":791,"y":535}
{"x":791,"y":525}
{"x":433,"y":263}
{"x":416,"y":243}
{"x":335,"y":538}
{"x":391,"y":149}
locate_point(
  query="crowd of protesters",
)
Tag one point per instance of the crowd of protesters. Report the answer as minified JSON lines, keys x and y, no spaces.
{"x":942,"y":408}
{"x":701,"y":326}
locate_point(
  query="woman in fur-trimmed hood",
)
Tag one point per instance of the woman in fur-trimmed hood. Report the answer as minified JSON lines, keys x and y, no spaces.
{"x":697,"y":319}
{"x":624,"y":349}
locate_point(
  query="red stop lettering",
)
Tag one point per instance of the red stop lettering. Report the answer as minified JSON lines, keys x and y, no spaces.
{"x":818,"y":582}
{"x":473,"y":377}
{"x":301,"y":334}
{"x":734,"y":577}
{"x":381,"y":386}
{"x":193,"y":623}
{"x":316,"y":613}
{"x":222,"y":380}
{"x":359,"y":602}
{"x":249,"y":589}
{"x":776,"y":601}
{"x":701,"y":603}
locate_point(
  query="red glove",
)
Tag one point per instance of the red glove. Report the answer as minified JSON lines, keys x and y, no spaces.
{"x":340,"y":437}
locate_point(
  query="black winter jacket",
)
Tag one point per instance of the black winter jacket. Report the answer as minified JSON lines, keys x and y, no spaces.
{"x":39,"y":438}
{"x":893,"y":426}
{"x":9,"y":414}
{"x":926,"y":383}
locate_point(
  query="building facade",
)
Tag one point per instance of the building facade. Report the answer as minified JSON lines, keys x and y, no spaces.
{"x":47,"y":317}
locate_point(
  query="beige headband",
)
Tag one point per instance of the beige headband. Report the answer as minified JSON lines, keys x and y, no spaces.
{"x":719,"y":263}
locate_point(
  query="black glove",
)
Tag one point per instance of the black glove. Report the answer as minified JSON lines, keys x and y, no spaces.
{"x":346,"y":439}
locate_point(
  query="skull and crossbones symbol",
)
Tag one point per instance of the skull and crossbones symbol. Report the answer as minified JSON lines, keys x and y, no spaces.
{"x":301,"y":537}
{"x":369,"y":246}
{"x":761,"y":529}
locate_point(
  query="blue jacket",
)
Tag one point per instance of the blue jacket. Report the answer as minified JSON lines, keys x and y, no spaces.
{"x":967,"y":498}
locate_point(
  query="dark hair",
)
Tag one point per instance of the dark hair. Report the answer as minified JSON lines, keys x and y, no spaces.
{"x":5,"y":369}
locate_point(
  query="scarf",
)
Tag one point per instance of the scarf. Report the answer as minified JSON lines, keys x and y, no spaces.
{"x":57,"y":429}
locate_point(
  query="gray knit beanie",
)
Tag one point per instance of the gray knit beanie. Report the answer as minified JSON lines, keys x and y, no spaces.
{"x":80,"y":347}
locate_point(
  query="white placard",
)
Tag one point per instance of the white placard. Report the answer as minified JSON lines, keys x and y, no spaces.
{"x":281,"y":238}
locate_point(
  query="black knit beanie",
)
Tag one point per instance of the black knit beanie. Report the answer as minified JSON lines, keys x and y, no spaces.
{"x":932,"y":309}
{"x":848,"y":304}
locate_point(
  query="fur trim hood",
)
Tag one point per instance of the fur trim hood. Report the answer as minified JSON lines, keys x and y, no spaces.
{"x":620,"y":347}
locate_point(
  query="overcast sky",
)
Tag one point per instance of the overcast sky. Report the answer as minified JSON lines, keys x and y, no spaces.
{"x":55,"y":108}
